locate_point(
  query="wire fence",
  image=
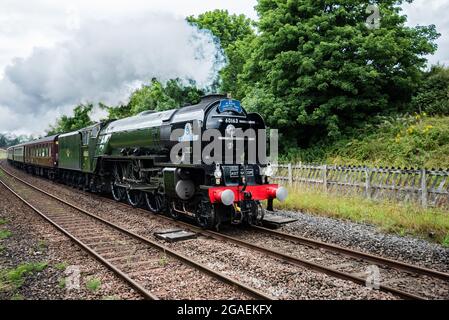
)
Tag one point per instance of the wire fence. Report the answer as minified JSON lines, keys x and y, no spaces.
{"x":422,"y":186}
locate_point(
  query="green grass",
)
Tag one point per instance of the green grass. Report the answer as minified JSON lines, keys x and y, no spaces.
{"x":5,"y":234}
{"x":17,"y":296}
{"x":3,"y":221}
{"x":402,"y":219}
{"x":445,"y":241}
{"x":41,"y":245}
{"x":61,"y":266}
{"x":163,"y":260}
{"x":93,"y":284}
{"x":14,"y":278}
{"x":62,"y":283}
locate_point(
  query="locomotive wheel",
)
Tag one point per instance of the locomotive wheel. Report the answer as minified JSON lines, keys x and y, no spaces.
{"x":257,"y":214}
{"x":135,"y":198}
{"x":173,"y":213}
{"x":154,"y":201}
{"x":118,"y":193}
{"x":205,"y":216}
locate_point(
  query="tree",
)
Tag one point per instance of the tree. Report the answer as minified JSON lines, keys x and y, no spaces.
{"x":157,"y":97}
{"x":79,"y":120}
{"x":235,"y":33}
{"x":7,"y":140}
{"x":317,"y":69}
{"x":433,"y":95}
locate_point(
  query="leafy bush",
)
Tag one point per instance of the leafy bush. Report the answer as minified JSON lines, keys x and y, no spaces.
{"x":156,"y":96}
{"x":80,"y":119}
{"x":433,"y":94}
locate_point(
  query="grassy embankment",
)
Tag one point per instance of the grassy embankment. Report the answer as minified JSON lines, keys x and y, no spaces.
{"x":418,"y":141}
{"x":406,"y":141}
{"x":413,"y":141}
{"x":402,"y":219}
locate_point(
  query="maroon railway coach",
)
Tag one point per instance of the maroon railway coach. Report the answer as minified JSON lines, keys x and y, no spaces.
{"x":40,"y":157}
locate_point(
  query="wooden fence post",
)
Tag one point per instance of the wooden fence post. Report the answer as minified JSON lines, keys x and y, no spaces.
{"x":325,"y":178}
{"x":423,"y":188}
{"x":290,"y":174}
{"x":367,"y":182}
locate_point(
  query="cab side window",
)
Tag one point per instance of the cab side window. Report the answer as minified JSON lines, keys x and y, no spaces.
{"x":85,"y":137}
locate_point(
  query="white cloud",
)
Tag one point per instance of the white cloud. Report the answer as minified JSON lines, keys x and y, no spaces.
{"x":427,"y":12}
{"x":104,"y":60}
{"x":41,"y":23}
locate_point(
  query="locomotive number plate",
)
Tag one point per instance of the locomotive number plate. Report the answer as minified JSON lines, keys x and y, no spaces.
{"x":235,"y":173}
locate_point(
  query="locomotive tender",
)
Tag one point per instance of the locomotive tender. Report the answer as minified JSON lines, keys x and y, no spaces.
{"x":137,"y":159}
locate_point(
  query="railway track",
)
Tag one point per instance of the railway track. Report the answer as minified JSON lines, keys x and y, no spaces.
{"x":130,"y":256}
{"x":357,"y":256}
{"x":403,"y":279}
{"x":384,"y":263}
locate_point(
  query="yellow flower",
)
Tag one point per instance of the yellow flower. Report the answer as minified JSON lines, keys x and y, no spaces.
{"x":411,"y":130}
{"x":427,"y":128}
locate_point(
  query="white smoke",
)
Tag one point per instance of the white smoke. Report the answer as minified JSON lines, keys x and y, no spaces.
{"x":104,"y":60}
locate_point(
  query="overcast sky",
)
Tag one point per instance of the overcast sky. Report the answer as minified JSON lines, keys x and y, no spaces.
{"x":56,"y":53}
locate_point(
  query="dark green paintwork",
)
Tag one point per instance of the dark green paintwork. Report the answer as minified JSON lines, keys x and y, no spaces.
{"x":18,"y":154}
{"x":70,"y":151}
{"x":142,"y":131}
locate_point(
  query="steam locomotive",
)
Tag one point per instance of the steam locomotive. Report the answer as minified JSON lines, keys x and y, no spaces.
{"x":140,"y":160}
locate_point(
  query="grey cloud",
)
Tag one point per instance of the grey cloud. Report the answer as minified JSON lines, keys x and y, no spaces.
{"x":104,"y":60}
